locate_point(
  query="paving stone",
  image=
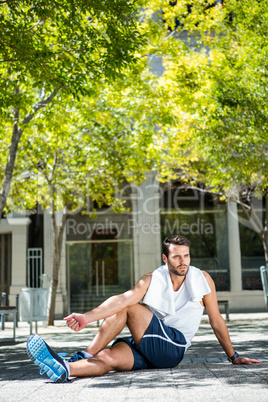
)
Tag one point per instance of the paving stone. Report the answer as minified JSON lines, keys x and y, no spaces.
{"x":204,"y":375}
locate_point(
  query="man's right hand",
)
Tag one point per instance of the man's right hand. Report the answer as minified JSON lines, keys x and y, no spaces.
{"x":76,"y":321}
{"x":110,"y":306}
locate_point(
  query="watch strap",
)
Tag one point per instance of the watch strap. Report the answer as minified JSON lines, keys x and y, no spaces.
{"x":232,"y":358}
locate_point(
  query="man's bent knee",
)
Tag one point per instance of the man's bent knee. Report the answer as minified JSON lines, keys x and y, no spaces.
{"x":138,"y":310}
{"x":138,"y":320}
{"x":119,"y":357}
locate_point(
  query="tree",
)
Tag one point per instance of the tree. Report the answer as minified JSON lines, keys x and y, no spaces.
{"x":237,"y":127}
{"x":112,"y":128}
{"x":68,"y":158}
{"x":199,"y":120}
{"x":57,"y":47}
{"x":219,"y":78}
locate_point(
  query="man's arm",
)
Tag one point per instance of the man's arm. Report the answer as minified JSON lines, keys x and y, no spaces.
{"x":219,"y":326}
{"x":110,"y":306}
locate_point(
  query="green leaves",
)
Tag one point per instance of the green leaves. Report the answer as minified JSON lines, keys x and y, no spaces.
{"x":57,"y":48}
{"x":66,"y":43}
{"x":223,"y":91}
{"x":208,"y":110}
{"x":76,"y":150}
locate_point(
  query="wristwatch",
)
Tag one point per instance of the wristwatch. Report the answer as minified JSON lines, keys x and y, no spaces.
{"x":231,"y":359}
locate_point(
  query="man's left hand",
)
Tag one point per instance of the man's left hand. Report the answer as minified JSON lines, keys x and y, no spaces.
{"x":245,"y":360}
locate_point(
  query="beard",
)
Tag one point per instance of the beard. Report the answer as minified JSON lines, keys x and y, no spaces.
{"x":175,"y":270}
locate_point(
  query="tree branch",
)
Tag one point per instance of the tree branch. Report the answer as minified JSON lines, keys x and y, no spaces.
{"x":60,"y":233}
{"x":54,"y":166}
{"x":266,"y":213}
{"x":41,"y":104}
{"x":16,"y":136}
{"x":10,"y":60}
{"x":53,"y":216}
{"x":253,"y":219}
{"x":34,"y":25}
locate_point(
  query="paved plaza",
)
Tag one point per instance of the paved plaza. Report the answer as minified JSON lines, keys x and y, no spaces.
{"x":204,"y":375}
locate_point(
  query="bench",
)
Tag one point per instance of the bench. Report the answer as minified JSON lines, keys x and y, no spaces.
{"x":10,"y":310}
{"x":225,"y":303}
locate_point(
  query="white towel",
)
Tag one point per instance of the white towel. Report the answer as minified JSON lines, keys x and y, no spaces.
{"x":161,"y":285}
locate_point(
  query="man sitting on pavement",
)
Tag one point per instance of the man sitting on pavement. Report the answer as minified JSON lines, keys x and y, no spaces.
{"x":176,"y":295}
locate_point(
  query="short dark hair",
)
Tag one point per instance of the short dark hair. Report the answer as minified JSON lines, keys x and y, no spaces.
{"x":175,"y":239}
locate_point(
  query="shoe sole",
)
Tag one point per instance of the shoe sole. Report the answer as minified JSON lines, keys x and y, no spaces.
{"x":41,"y":354}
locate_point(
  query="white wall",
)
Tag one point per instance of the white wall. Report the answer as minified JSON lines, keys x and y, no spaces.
{"x":18,"y":227}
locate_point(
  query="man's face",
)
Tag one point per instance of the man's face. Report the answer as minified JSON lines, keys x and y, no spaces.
{"x":178,"y":259}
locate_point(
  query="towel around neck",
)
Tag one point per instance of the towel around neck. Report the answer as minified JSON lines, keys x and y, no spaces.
{"x":160,"y":295}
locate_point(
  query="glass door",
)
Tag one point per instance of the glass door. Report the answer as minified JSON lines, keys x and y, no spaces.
{"x":104,"y":268}
{"x":98,"y":270}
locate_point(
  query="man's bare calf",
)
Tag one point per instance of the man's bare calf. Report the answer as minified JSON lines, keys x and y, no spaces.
{"x":119,"y":357}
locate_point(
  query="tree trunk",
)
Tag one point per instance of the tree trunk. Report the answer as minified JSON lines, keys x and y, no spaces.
{"x":58,"y":239}
{"x":16,"y":136}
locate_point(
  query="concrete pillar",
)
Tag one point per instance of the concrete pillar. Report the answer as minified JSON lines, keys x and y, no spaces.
{"x":18,"y":227}
{"x":146,"y":227}
{"x":234,"y":247}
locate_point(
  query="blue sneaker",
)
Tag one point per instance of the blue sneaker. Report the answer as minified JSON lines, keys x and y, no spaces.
{"x":52,"y":364}
{"x":78,"y":356}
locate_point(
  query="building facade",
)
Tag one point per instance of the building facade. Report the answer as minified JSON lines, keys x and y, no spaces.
{"x":107,"y":254}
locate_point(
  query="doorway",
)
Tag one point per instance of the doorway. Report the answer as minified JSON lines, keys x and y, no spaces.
{"x":97,"y":270}
{"x":5,"y":264}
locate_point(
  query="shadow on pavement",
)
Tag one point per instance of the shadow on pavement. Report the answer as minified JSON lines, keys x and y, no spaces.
{"x":15,"y":365}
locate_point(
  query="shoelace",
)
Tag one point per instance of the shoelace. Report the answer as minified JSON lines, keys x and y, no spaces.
{"x":78,"y":356}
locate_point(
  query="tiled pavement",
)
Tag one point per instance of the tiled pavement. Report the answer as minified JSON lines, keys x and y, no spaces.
{"x":203,"y":375}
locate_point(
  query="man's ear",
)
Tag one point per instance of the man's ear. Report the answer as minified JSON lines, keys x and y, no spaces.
{"x":164,"y":258}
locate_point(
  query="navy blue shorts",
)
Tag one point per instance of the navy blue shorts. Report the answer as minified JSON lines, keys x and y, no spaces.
{"x":160,"y":347}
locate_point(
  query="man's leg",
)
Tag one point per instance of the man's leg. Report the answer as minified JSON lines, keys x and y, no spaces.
{"x":110,"y":327}
{"x":136,"y":317}
{"x":120,"y":356}
{"x":138,"y":320}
